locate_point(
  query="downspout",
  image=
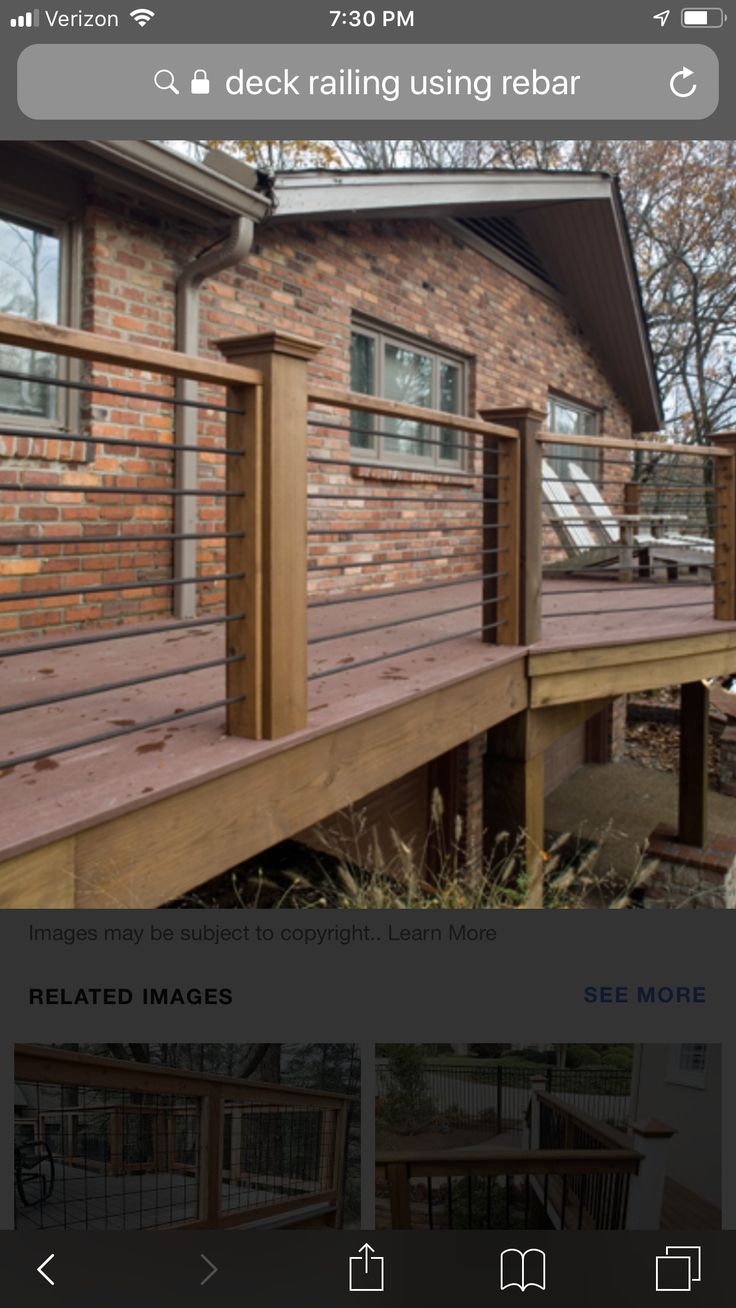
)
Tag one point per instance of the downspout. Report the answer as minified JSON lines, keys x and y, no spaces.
{"x":232,"y":250}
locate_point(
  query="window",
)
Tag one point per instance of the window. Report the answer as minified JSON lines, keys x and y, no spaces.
{"x":401,"y":369}
{"x":688,"y":1065}
{"x":570,"y":419}
{"x":34,"y":283}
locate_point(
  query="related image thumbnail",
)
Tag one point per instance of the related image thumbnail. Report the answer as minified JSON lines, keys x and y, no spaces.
{"x":548,"y":1137}
{"x":131,"y":1137}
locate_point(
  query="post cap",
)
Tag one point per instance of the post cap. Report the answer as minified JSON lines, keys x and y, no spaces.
{"x":726,"y":439}
{"x":511,"y":412}
{"x":237,"y":348}
{"x":653,"y":1129}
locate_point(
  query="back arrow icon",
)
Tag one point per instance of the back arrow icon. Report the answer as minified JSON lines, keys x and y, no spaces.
{"x":45,"y":1263}
{"x":683,"y":73}
{"x":209,"y":1275}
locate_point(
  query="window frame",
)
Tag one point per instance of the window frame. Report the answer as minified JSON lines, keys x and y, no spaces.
{"x":557,"y":452}
{"x":68,"y":233}
{"x":382,"y":335}
{"x":693,"y":1078}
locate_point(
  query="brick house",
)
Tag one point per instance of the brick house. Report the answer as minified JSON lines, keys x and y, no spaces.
{"x":460,"y":292}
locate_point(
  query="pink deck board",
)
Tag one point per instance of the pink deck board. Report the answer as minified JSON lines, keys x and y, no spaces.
{"x":52,"y":798}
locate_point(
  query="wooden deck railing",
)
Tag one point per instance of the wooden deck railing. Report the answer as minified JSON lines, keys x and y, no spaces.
{"x":253,"y":521}
{"x":507,"y":1202}
{"x":299,"y":516}
{"x":636,"y":512}
{"x":453,"y":521}
{"x":576,"y":1171}
{"x":219,"y":1151}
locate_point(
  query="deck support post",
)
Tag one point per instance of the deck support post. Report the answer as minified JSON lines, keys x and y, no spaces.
{"x":513,"y":783}
{"x":528,"y":421}
{"x":275,"y":524}
{"x":692,"y":826}
{"x":513,"y":802}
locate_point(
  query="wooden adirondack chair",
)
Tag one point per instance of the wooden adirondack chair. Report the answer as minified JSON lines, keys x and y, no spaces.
{"x":594,"y":535}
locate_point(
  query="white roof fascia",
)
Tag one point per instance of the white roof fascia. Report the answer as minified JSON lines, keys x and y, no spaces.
{"x":317,"y":196}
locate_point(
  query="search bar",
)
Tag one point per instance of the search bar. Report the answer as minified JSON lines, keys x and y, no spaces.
{"x":164,"y":83}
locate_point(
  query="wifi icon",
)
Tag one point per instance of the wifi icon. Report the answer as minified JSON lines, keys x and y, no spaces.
{"x":142,"y":16}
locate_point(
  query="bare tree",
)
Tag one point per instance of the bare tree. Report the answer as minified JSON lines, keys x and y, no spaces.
{"x":680,"y":203}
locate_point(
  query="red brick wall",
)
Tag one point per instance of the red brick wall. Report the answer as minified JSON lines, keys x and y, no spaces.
{"x":306,"y":278}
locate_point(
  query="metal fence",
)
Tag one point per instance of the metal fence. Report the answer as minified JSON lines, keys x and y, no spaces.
{"x":498,"y":1097}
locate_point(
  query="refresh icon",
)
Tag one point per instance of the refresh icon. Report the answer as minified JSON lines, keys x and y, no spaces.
{"x":680,"y":77}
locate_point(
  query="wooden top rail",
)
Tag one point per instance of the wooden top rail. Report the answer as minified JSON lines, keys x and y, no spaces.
{"x":339,"y":399}
{"x":76,"y":344}
{"x":620,"y":443}
{"x":63,"y":1067}
{"x":514,"y":1162}
{"x":593,"y":1125}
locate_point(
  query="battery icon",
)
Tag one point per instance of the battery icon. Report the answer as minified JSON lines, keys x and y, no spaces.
{"x":703,"y":18}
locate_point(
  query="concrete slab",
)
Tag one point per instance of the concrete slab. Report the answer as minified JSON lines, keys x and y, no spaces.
{"x":623,"y":803}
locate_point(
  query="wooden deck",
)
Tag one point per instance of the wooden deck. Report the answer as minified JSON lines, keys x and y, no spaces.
{"x":684,"y":1210}
{"x":84,"y":1201}
{"x":202,"y":800}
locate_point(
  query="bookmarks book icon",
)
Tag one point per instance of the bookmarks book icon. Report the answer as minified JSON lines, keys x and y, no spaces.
{"x":523,"y":1270}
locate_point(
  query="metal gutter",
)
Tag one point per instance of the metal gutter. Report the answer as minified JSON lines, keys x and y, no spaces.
{"x":201,"y":192}
{"x":232,"y":250}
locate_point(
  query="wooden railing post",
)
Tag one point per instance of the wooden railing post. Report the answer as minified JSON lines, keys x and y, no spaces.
{"x":501,"y":540}
{"x":339,"y":1145}
{"x":724,"y":570}
{"x":537,"y":1084}
{"x":398,"y":1189}
{"x":210,"y":1157}
{"x":527,"y":421}
{"x":273,"y":511}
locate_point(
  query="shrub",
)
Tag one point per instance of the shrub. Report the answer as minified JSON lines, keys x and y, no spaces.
{"x":618,"y":1056}
{"x":582,"y":1056}
{"x":406,"y":1106}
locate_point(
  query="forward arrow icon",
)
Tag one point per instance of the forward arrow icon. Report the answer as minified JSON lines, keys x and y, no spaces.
{"x":210,"y":1274}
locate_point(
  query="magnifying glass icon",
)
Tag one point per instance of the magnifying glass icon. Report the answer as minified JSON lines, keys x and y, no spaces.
{"x":164,"y":80}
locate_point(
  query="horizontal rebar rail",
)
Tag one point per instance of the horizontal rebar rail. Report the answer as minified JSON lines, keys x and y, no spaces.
{"x":367,"y":540}
{"x":639,"y":514}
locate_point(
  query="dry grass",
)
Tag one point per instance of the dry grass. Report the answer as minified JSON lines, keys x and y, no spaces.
{"x":354,"y":872}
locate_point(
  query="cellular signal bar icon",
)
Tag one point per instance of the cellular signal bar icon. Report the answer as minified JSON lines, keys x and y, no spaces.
{"x":31,"y":18}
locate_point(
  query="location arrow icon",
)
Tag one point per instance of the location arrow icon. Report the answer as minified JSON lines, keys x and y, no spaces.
{"x":41,"y":1266}
{"x":209,"y":1275}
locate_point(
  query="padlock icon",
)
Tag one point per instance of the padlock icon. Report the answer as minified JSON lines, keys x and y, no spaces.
{"x":200,"y":82}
